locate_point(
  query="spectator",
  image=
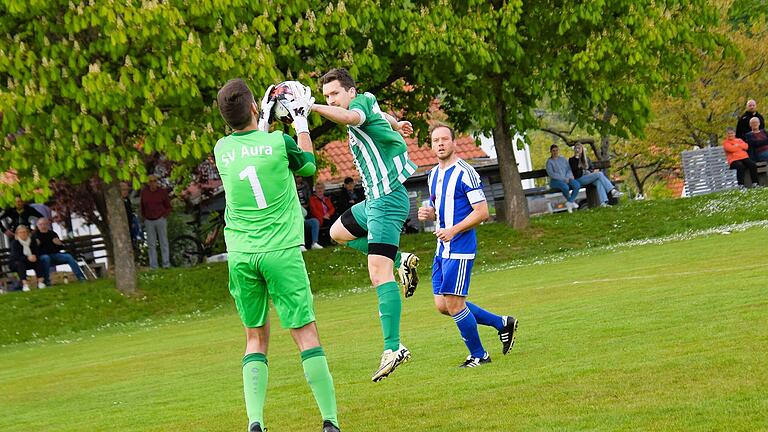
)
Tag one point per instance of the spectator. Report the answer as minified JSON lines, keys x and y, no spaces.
{"x":742,"y":127}
{"x":738,"y":158}
{"x":757,"y":140}
{"x":585,"y":174}
{"x":311,"y":225}
{"x":155,"y":207}
{"x":21,"y":214}
{"x":348,"y":196}
{"x":321,"y":207}
{"x":134,"y":226}
{"x":24,"y":256}
{"x":561,"y":177}
{"x":49,"y":253}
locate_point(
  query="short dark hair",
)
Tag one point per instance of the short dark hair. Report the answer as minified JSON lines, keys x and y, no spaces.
{"x":235,"y":100}
{"x":730,"y":129}
{"x":341,"y":75}
{"x":349,"y":180}
{"x":438,"y":126}
{"x":553,"y":146}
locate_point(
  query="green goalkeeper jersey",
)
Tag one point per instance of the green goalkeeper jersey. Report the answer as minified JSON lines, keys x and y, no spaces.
{"x":380,"y":153}
{"x":262,"y":207}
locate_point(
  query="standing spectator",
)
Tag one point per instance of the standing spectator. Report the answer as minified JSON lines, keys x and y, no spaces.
{"x":21,"y":214}
{"x":24,"y":256}
{"x":742,"y":127}
{"x":321,"y":207}
{"x":348,"y":196}
{"x":155,"y":207}
{"x":133,"y":221}
{"x":561,"y":177}
{"x":311,"y":225}
{"x":738,"y":158}
{"x":49,"y":252}
{"x":582,"y":170}
{"x":757,"y":140}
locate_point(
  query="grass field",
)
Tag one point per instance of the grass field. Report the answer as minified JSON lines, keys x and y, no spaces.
{"x":668,"y":336}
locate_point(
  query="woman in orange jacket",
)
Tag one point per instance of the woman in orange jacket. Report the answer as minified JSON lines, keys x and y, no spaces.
{"x":737,"y":157}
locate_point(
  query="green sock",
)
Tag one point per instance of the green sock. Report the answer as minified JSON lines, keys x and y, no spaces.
{"x":361,"y":244}
{"x":321,"y":382}
{"x":390,"y":306}
{"x":255,"y":376}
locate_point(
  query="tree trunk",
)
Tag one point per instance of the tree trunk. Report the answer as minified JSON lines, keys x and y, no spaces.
{"x":102,"y":223}
{"x":122,"y":251}
{"x":605,"y":141}
{"x":515,"y":204}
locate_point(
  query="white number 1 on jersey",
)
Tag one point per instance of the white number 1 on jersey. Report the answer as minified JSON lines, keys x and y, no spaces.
{"x":258,"y":192}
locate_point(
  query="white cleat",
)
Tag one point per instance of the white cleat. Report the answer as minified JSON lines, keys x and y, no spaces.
{"x":409,"y":278}
{"x":389,"y":361}
{"x":316,"y":246}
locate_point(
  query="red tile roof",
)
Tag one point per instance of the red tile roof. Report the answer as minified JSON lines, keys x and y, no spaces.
{"x":337,"y":153}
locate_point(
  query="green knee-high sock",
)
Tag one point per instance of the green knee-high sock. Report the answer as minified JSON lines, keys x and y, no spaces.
{"x":390,"y":306}
{"x":321,"y":382}
{"x":255,"y":377}
{"x":361,"y":244}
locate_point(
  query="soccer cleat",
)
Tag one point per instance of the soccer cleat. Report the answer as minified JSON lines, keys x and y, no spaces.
{"x":507,"y":334}
{"x":389,"y":361}
{"x":471,"y":362}
{"x":256,"y":427}
{"x":329,"y":427}
{"x":407,"y":272}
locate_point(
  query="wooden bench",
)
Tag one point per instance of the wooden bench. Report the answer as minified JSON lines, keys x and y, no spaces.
{"x":593,"y":199}
{"x":83,"y":248}
{"x":762,"y":174}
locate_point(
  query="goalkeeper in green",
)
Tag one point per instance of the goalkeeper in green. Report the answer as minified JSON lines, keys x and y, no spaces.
{"x":264,"y":229}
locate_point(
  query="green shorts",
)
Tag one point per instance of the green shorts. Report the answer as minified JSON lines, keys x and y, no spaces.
{"x":281,"y":275}
{"x":383,"y":217}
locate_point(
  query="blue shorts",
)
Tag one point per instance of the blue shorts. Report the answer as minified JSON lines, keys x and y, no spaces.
{"x":451,"y":276}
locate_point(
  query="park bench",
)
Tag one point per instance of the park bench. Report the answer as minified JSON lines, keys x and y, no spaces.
{"x":83,"y":248}
{"x":593,"y":200}
{"x":762,"y":175}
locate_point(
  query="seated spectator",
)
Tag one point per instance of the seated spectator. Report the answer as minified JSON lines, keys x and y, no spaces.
{"x":321,"y":207}
{"x":757,"y":140}
{"x":561,"y":177}
{"x":21,"y":214}
{"x":585,"y":174}
{"x":738,"y":158}
{"x":49,"y":253}
{"x":311,"y":225}
{"x":348,"y":196}
{"x":24,"y":256}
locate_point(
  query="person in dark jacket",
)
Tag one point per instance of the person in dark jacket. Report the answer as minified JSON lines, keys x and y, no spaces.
{"x":21,"y":214}
{"x":757,"y":139}
{"x":49,"y":252}
{"x":24,"y":257}
{"x":742,"y":127}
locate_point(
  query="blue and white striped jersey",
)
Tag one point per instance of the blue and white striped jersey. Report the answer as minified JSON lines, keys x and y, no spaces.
{"x":453,"y":191}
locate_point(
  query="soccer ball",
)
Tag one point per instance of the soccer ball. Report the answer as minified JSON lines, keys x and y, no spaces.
{"x":281,"y":94}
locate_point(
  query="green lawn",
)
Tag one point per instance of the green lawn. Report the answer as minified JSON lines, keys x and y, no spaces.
{"x":668,"y":336}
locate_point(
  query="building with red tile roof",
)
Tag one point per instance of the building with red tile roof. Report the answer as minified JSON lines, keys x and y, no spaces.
{"x":337,"y":153}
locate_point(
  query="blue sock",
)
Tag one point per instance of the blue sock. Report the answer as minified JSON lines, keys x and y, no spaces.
{"x":467,"y":325}
{"x":483,"y":317}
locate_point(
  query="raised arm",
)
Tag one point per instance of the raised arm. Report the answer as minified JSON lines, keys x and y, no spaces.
{"x":338,"y":115}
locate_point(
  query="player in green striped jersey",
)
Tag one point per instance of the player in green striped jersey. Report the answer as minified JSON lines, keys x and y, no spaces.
{"x":264,"y":229}
{"x":373,"y":226}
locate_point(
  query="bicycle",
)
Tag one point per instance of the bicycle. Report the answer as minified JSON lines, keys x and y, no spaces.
{"x":188,"y":250}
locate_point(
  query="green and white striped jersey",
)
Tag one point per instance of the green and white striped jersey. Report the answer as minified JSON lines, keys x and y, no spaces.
{"x":380,"y":153}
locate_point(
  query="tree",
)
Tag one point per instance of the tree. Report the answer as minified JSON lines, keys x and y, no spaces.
{"x":97,"y":86}
{"x":601,"y":61}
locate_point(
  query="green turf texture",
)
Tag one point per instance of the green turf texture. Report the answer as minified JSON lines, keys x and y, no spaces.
{"x":667,"y":336}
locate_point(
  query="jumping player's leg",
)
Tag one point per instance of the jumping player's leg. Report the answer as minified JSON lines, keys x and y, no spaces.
{"x":289,"y":288}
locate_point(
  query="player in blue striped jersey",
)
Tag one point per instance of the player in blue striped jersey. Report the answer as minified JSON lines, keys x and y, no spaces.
{"x":458,"y":205}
